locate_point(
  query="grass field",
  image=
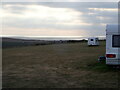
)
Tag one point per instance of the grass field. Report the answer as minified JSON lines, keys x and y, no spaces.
{"x":57,"y":66}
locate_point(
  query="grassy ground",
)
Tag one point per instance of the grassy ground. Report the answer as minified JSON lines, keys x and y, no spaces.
{"x":57,"y":66}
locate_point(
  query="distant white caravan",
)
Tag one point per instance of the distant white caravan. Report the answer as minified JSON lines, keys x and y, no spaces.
{"x":93,"y":41}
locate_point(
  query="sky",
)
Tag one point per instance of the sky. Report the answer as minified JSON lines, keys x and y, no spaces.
{"x":60,"y":0}
{"x":84,"y":19}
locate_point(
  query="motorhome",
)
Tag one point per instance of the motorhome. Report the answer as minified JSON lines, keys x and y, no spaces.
{"x":112,"y":45}
{"x":93,"y":41}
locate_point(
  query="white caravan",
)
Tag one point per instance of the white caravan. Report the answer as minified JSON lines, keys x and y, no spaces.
{"x":93,"y":41}
{"x":112,"y":45}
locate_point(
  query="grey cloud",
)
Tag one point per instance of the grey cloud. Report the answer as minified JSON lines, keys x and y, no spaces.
{"x":34,"y":23}
{"x":14,"y":8}
{"x":83,"y":7}
{"x":43,"y":24}
{"x":77,"y":5}
{"x":113,"y":18}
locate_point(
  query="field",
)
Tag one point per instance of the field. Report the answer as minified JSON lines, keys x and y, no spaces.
{"x":72,"y":65}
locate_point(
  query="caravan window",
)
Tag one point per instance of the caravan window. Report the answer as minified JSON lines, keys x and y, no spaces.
{"x":91,"y":39}
{"x":116,"y":41}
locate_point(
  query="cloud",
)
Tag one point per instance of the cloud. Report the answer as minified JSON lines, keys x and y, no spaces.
{"x":61,"y":1}
{"x":63,"y":17}
{"x":15,"y":8}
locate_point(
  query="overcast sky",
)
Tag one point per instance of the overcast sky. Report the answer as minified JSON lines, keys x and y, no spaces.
{"x":58,"y":18}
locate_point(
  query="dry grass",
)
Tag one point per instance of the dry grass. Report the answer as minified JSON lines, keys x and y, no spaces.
{"x":57,"y":66}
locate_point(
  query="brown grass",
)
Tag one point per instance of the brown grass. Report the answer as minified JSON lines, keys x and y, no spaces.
{"x":57,"y":66}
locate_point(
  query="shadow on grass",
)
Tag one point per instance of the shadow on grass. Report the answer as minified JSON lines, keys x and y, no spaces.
{"x":95,"y":66}
{"x":101,"y":67}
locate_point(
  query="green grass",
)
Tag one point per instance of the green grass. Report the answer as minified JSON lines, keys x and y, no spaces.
{"x":57,"y":66}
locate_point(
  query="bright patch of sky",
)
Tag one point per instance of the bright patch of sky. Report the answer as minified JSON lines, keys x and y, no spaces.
{"x":58,"y":18}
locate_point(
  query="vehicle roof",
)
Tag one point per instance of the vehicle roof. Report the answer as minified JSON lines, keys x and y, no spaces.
{"x":112,"y":28}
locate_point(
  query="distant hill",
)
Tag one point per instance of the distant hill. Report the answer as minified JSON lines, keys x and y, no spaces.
{"x":13,"y":42}
{"x":6,"y":39}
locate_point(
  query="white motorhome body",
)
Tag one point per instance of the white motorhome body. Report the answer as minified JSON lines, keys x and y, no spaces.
{"x":112,"y":45}
{"x":93,"y":41}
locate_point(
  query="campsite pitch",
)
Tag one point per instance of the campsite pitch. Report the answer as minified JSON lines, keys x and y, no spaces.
{"x":71,"y":65}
